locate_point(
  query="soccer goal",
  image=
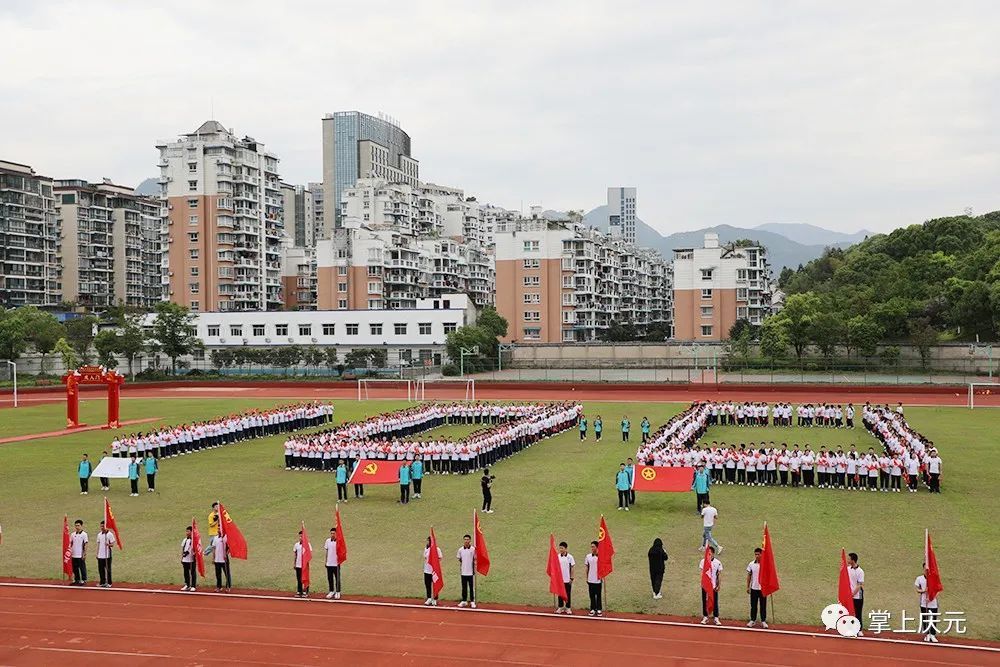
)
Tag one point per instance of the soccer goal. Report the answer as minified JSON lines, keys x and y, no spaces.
{"x":369,"y":388}
{"x":981,"y":389}
{"x":453,"y":389}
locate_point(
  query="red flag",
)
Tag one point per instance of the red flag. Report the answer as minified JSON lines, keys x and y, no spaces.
{"x":370,"y":471}
{"x":605,"y":551}
{"x":111,"y":524}
{"x":482,"y":553}
{"x":234,"y":537}
{"x":768,"y":575}
{"x":706,"y":582}
{"x":933,"y":573}
{"x":341,"y":541}
{"x":307,"y":554}
{"x":554,"y":569}
{"x":199,"y":557}
{"x":662,"y":478}
{"x":844,"y":594}
{"x":434,"y":559}
{"x":67,"y":555}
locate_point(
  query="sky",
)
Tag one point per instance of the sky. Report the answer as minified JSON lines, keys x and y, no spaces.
{"x":847,"y":115}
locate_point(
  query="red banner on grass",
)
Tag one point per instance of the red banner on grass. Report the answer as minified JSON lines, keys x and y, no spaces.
{"x":372,"y":471}
{"x":662,"y":478}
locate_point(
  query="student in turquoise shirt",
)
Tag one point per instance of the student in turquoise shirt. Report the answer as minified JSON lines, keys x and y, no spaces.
{"x":404,"y":484}
{"x":626,"y":425}
{"x":630,"y":469}
{"x":341,"y":481}
{"x":133,"y":475}
{"x":622,"y":485}
{"x":151,"y":469}
{"x":598,"y":427}
{"x":359,"y":489}
{"x":583,"y":427}
{"x":417,"y":473}
{"x":83,"y":471}
{"x":702,"y":480}
{"x":645,"y":429}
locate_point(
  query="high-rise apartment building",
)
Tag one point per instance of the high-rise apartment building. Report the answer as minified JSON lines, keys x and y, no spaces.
{"x":29,"y":237}
{"x":317,"y":194}
{"x":716,"y":285}
{"x":621,"y":213}
{"x":222,"y":227}
{"x":558,"y":281}
{"x":298,"y":276}
{"x":299,"y":216}
{"x":357,"y":145}
{"x":110,"y":248}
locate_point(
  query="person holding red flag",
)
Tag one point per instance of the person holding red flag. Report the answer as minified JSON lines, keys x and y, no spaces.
{"x":333,"y":546}
{"x":928,"y":586}
{"x":711,"y":581}
{"x":762,"y":579}
{"x":433,"y":574}
{"x":77,"y":546}
{"x":105,"y":546}
{"x":560,"y":570}
{"x":482,"y":553}
{"x":845,"y":595}
{"x":220,"y":558}
{"x":302,"y":551}
{"x":189,"y":557}
{"x":595,"y":584}
{"x":234,"y":536}
{"x":856,"y":577}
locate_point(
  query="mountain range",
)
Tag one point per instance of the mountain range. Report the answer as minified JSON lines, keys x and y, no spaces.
{"x":788,"y":244}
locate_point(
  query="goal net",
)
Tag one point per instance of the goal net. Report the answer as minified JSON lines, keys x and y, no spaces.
{"x":387,"y":389}
{"x":451,"y":389}
{"x":981,"y":391}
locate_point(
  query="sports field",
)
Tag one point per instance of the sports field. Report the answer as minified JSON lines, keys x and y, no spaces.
{"x":560,"y":486}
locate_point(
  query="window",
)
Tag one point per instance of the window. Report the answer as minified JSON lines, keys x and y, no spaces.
{"x":194,"y":287}
{"x":567,"y":282}
{"x":329,"y":329}
{"x":192,"y":167}
{"x":706,"y":274}
{"x":195,"y":306}
{"x":568,"y":299}
{"x":568,"y":317}
{"x":352,"y":329}
{"x":305,"y":330}
{"x":236,"y":330}
{"x":193,"y":237}
{"x":194,"y":271}
{"x":531,"y":246}
{"x":532,"y":333}
{"x":375,"y":328}
{"x":374,"y":304}
{"x":399,"y":328}
{"x":342,"y":304}
{"x":532,"y":297}
{"x":532,"y":316}
{"x":192,"y":220}
{"x":532,"y":263}
{"x":341,"y":287}
{"x":374,"y":287}
{"x":213,"y":330}
{"x":450,"y":327}
{"x":341,"y":270}
{"x":192,"y":203}
{"x":280,"y":329}
{"x":198,"y":354}
{"x":706,"y":330}
{"x":741,"y":293}
{"x":224,"y":202}
{"x":741,"y":274}
{"x":424,"y":328}
{"x":258,"y":330}
{"x":706,"y":294}
{"x":532,"y":281}
{"x":225,"y":272}
{"x":192,"y":185}
{"x":706,"y":311}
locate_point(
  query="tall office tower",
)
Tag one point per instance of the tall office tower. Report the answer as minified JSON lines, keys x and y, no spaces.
{"x":222,"y":227}
{"x":356,"y":145}
{"x":29,"y":236}
{"x":110,"y":248}
{"x":298,"y":214}
{"x":621,"y":213}
{"x":716,"y":285}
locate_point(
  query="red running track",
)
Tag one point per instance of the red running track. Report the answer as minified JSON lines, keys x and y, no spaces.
{"x":46,"y":625}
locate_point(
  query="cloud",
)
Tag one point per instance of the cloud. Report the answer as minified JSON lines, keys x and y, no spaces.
{"x":848,"y":115}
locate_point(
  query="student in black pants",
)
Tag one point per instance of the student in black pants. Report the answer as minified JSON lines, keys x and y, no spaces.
{"x":657,"y":567}
{"x":594,"y":582}
{"x":487,"y":483}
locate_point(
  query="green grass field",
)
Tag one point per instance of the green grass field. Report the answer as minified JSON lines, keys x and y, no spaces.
{"x":560,"y":486}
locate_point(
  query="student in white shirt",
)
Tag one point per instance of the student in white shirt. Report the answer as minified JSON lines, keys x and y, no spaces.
{"x":753,"y":590}
{"x":857,"y":577}
{"x":467,"y":567}
{"x":709,"y":515}
{"x":332,"y":565}
{"x":928,"y":609}
{"x":188,"y":561}
{"x":566,"y":563}
{"x":220,"y":556}
{"x":934,"y":471}
{"x":429,"y":574}
{"x":105,"y":544}
{"x":715,"y":574}
{"x":594,"y":582}
{"x":299,"y":549}
{"x":78,"y":541}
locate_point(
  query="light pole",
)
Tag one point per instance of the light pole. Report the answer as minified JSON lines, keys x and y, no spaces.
{"x":470,"y":351}
{"x":13,"y":370}
{"x":501,"y":348}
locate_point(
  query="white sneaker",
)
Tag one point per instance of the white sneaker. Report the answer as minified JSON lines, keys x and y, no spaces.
{"x":717,"y":621}
{"x":704,"y":620}
{"x":192,"y":589}
{"x":427,"y":602}
{"x":591,"y":613}
{"x":434,"y":603}
{"x":336,"y":596}
{"x":763,"y":624}
{"x":569,"y":612}
{"x":329,"y":596}
{"x":860,"y":633}
{"x":658,"y":596}
{"x":750,"y":624}
{"x":626,"y":509}
{"x":720,"y":549}
{"x":619,"y":509}
{"x":559,"y":610}
{"x":463,"y":603}
{"x":600,"y":612}
{"x":472,"y":604}
{"x":934,"y":639}
{"x":184,"y":588}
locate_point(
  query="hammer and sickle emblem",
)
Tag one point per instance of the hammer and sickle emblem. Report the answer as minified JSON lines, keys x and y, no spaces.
{"x":648,"y":474}
{"x":601,"y":534}
{"x":371,"y":468}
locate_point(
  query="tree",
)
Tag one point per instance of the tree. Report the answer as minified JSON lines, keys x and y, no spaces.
{"x":741,"y":325}
{"x":131,"y":339}
{"x":619,"y":332}
{"x":827,"y":331}
{"x":13,"y":334}
{"x":70,"y":360}
{"x":173,"y":330}
{"x":490,"y":320}
{"x":470,"y":337}
{"x":44,"y":331}
{"x":785,"y":276}
{"x":863,"y":335}
{"x":773,"y":339}
{"x":80,"y":334}
{"x":106,"y":344}
{"x":313,"y":357}
{"x":797,"y":320}
{"x":367,"y":357}
{"x":657,"y":332}
{"x":330,"y":358}
{"x":889,"y":356}
{"x":924,"y":337}
{"x":222,"y":358}
{"x":739,"y":345}
{"x":286,"y":356}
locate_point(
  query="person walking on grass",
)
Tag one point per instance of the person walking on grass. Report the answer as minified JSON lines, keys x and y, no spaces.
{"x":105,"y":482}
{"x":598,"y":428}
{"x":626,"y":427}
{"x":582,"y":424}
{"x":657,"y":567}
{"x":708,"y":515}
{"x":644,"y":427}
{"x":622,"y":485}
{"x":83,"y":471}
{"x":700,"y":485}
{"x":487,"y":483}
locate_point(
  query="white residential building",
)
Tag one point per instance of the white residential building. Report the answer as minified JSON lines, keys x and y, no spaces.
{"x":29,"y":238}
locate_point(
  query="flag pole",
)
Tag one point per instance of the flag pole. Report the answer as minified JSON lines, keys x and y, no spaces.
{"x":604,"y":582}
{"x":475,"y":563}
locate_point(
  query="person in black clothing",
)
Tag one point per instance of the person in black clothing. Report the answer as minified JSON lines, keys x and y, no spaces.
{"x":657,"y":566}
{"x":487,"y":484}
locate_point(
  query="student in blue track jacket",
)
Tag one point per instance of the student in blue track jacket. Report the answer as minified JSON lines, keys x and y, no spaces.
{"x":622,"y":485}
{"x":404,"y":484}
{"x":83,"y":470}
